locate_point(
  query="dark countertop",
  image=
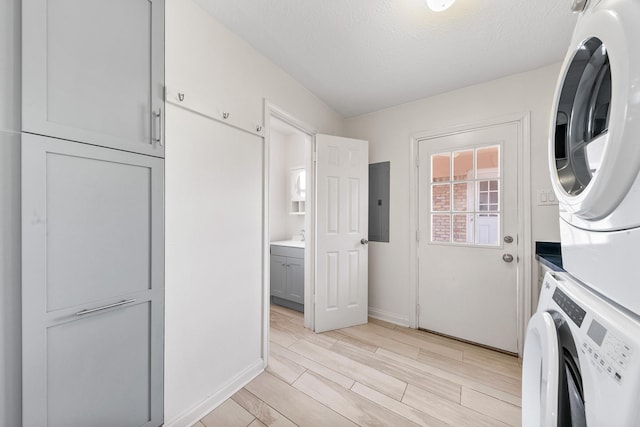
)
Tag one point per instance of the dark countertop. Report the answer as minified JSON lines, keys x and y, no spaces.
{"x":549,"y":254}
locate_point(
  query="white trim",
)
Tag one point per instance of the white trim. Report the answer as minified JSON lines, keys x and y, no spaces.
{"x":522,"y":120}
{"x":387,"y":316}
{"x":200,"y":410}
{"x":271,"y":110}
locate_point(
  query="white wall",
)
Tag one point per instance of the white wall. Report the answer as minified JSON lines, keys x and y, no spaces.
{"x":10,"y":314}
{"x":212,"y":318}
{"x":286,"y":152}
{"x":389,"y":132}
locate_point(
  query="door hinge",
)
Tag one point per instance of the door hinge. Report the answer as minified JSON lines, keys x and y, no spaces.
{"x":418,"y":236}
{"x":315,"y":155}
{"x":418,"y":161}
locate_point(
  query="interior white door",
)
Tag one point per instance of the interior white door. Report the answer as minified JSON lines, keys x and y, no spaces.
{"x":468,"y":216}
{"x":342,"y":176}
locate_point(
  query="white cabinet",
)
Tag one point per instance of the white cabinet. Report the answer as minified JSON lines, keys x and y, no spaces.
{"x":92,"y":285}
{"x":93,"y":72}
{"x":287,"y":276}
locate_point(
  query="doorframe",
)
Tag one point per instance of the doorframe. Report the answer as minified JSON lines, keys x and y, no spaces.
{"x":524,"y":295}
{"x":272,"y":110}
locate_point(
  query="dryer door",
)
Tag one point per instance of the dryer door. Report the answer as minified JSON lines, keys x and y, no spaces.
{"x":540,"y":373}
{"x":593,"y":152}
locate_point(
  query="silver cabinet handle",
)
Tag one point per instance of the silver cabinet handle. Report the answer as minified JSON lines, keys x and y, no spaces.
{"x":157,"y":119}
{"x":104,"y":307}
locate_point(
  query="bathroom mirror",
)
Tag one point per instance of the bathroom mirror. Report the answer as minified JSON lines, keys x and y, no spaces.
{"x":298,"y":190}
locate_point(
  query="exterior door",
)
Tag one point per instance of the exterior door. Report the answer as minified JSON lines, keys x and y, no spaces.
{"x":468,"y":218}
{"x":92,"y":285}
{"x":93,"y":72}
{"x":342,"y":170}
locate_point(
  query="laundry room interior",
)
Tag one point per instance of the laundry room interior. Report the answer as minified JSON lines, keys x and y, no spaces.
{"x":356,"y":213}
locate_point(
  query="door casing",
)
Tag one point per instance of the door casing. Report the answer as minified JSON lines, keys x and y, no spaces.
{"x":271,"y":110}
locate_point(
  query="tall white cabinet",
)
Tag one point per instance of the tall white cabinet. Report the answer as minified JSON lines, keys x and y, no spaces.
{"x":92,"y":213}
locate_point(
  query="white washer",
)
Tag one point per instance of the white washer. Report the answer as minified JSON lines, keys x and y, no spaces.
{"x":581,"y":362}
{"x":594,"y":150}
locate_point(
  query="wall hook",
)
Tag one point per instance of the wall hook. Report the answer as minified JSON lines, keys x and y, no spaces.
{"x":258,"y":128}
{"x":181,"y":97}
{"x":225,"y":115}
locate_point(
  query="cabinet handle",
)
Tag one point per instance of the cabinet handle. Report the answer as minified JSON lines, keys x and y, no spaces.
{"x":157,"y":119}
{"x":104,"y":307}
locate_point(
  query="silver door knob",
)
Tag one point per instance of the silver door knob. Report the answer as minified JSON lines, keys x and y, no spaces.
{"x":508,"y":239}
{"x":363,"y":241}
{"x":507,"y":258}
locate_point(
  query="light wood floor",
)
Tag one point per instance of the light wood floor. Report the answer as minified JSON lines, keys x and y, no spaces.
{"x":373,"y":375}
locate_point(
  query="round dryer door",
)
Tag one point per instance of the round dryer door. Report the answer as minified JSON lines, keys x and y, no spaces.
{"x":594,"y":151}
{"x":540,"y":373}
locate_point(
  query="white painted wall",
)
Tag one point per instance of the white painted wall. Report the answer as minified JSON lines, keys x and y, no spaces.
{"x":213,"y":279}
{"x":286,"y":152}
{"x":389,"y":132}
{"x":10,"y":249}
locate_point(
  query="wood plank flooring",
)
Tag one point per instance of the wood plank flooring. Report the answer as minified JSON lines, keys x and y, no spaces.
{"x":375,"y":375}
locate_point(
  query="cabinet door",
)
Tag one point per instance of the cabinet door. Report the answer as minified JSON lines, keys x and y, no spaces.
{"x":93,"y":72}
{"x":295,"y":280}
{"x":278,"y":276}
{"x":93,"y":285}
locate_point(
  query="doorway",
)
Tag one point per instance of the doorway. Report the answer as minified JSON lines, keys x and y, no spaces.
{"x":290,"y":223}
{"x":471,"y":234}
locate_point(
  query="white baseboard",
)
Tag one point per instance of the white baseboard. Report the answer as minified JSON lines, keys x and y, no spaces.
{"x":197,"y":412}
{"x":396,"y":319}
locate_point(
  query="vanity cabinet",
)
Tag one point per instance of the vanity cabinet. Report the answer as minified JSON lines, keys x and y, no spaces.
{"x":93,"y":72}
{"x":287,"y":276}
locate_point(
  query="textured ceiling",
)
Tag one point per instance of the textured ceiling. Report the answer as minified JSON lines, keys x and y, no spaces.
{"x":360,"y":56}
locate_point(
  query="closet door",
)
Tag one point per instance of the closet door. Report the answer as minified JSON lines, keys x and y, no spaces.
{"x":93,"y":72}
{"x":93,"y":285}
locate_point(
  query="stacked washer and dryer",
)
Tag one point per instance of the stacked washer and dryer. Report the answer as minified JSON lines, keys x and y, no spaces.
{"x":581,"y":362}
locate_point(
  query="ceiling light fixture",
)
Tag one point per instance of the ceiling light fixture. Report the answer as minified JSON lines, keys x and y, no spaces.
{"x":439,"y":5}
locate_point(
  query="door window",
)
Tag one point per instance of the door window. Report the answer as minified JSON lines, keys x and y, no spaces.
{"x":465,"y":196}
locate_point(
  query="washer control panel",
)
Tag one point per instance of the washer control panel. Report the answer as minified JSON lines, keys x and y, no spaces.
{"x":608,"y":353}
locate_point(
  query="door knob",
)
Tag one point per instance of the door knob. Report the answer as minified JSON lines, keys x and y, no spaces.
{"x":508,"y":239}
{"x":507,"y":258}
{"x":363,"y":241}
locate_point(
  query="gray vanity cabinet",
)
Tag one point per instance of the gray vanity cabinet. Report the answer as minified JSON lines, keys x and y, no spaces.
{"x":287,"y":276}
{"x":93,"y":285}
{"x":93,"y":72}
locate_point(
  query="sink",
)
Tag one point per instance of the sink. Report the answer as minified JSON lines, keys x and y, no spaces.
{"x":290,"y":243}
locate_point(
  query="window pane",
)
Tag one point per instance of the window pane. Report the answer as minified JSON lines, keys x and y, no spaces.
{"x":487,"y":229}
{"x":493,"y":197}
{"x":463,"y":165}
{"x":494,"y":185}
{"x":441,"y":198}
{"x":488,"y":159}
{"x":440,"y":167}
{"x":463,"y":228}
{"x":440,"y":228}
{"x":463,"y":197}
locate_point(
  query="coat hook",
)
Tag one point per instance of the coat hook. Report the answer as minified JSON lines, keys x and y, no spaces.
{"x":225,"y":115}
{"x":258,"y":128}
{"x":181,"y":97}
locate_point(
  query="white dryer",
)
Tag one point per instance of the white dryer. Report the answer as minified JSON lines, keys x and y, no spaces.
{"x":594,"y":150}
{"x":581,"y":362}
